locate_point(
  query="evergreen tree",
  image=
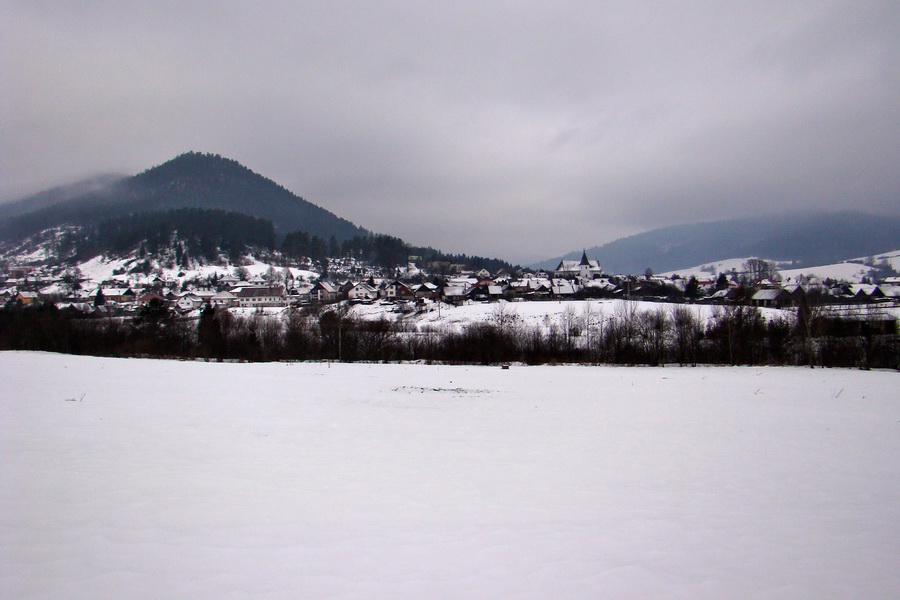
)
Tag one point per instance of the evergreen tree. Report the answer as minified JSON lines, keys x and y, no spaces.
{"x":722,"y":282}
{"x":692,"y":288}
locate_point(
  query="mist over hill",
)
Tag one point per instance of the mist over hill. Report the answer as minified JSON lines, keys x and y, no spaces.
{"x":801,"y":239}
{"x":191,"y":180}
{"x":57,"y":195}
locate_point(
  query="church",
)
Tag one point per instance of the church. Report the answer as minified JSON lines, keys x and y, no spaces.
{"x":579,"y":269}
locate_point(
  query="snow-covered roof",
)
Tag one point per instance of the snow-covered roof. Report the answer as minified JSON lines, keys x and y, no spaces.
{"x":863,"y":289}
{"x":259,"y":292}
{"x":768,"y":294}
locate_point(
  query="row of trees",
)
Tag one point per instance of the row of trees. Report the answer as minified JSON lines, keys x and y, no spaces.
{"x":736,"y":335}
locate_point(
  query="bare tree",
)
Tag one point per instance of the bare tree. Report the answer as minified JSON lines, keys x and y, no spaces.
{"x":621,"y":333}
{"x":757,"y":268}
{"x":505,"y":318}
{"x":687,"y":332}
{"x":592,"y":325}
{"x":654,"y":326}
{"x":570,"y":328}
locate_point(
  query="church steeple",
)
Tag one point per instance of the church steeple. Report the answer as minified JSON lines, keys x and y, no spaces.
{"x":584,"y":259}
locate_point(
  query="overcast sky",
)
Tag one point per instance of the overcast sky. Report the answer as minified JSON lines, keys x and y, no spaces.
{"x":515,"y":129}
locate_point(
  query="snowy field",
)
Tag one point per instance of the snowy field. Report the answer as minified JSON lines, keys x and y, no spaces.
{"x":156,"y":479}
{"x":543,"y":315}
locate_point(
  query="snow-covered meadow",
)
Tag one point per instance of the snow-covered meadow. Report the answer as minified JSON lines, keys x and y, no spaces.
{"x":160,"y":479}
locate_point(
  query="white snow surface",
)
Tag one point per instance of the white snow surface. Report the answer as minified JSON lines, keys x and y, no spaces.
{"x":542,"y":314}
{"x":129,"y":478}
{"x":850,"y":270}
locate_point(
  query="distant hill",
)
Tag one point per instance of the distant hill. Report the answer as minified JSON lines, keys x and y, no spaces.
{"x":191,"y":180}
{"x":802,"y":240}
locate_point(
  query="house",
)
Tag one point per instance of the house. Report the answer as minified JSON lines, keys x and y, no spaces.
{"x":562,"y":288}
{"x":323,"y":291}
{"x":398,"y":291}
{"x":650,"y":288}
{"x":427,"y":290}
{"x":188,"y":302}
{"x":772,"y":298}
{"x":529,"y":288}
{"x":344,"y":289}
{"x":258,"y":297}
{"x":454,"y":294}
{"x":118,"y":295}
{"x":485,"y":290}
{"x":146,"y":298}
{"x":730,"y":295}
{"x":26,"y":297}
{"x":362,"y":292}
{"x":223,"y":299}
{"x":865,"y":292}
{"x":228,"y":280}
{"x":599,"y":288}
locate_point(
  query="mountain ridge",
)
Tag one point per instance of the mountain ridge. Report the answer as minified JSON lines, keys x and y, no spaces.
{"x":190,"y":180}
{"x":799,"y":239}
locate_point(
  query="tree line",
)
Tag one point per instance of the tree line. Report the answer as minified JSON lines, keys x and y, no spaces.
{"x":380,"y":250}
{"x":734,"y":335}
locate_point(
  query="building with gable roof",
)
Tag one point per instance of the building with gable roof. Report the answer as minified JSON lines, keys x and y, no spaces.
{"x":583,"y":269}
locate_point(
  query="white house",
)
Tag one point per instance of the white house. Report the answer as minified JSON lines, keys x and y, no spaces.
{"x":362,"y":292}
{"x":256,"y":297}
{"x":189,"y":301}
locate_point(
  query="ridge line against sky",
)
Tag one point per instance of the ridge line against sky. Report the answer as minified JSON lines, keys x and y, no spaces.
{"x":522,"y":130}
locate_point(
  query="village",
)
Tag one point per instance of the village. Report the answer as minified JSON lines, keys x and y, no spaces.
{"x":409,"y":288}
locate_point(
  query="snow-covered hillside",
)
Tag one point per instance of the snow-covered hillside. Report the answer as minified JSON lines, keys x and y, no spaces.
{"x":851,"y":271}
{"x":103,"y":268}
{"x":135,"y":478}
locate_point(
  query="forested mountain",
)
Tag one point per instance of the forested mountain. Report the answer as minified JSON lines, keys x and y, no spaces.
{"x":206,"y":205}
{"x":191,"y":180}
{"x":194,"y":232}
{"x":804,"y":240}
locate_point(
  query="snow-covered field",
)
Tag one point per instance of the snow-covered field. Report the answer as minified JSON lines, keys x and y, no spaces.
{"x":158,"y":479}
{"x":541,"y":314}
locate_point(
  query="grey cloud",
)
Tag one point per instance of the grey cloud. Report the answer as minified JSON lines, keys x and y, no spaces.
{"x":491,"y":128}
